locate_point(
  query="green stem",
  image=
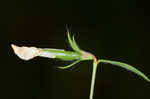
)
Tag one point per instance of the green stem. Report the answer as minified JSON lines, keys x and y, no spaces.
{"x":93,"y":80}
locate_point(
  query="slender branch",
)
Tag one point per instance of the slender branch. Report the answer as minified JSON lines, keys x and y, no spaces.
{"x":93,"y":79}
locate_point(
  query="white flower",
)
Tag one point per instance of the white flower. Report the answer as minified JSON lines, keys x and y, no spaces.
{"x":26,"y":53}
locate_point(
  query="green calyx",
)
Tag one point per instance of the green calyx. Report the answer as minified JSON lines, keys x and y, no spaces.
{"x":83,"y":55}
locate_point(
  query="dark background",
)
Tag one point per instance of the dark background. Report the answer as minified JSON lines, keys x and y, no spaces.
{"x":110,"y":29}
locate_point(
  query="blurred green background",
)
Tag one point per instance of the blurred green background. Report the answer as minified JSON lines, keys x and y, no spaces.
{"x":110,"y":29}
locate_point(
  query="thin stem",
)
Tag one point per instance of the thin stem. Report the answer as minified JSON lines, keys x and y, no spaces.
{"x":93,"y":80}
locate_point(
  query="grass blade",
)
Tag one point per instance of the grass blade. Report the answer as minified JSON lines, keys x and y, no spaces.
{"x":68,"y":66}
{"x":126,"y":66}
{"x":72,"y":43}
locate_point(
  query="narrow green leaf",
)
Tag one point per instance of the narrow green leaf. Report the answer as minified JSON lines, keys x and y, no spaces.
{"x":126,"y":66}
{"x":66,"y":67}
{"x":73,"y":43}
{"x":70,"y":41}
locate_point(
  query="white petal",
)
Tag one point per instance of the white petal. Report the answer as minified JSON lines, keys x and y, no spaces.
{"x":26,"y":53}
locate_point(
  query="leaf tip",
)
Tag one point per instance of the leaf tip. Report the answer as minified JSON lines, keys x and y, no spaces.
{"x":148,"y":80}
{"x":61,"y":67}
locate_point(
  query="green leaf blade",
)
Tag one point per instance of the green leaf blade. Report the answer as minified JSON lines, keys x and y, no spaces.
{"x":72,"y":43}
{"x":76,"y":46}
{"x":126,"y":66}
{"x":68,"y":66}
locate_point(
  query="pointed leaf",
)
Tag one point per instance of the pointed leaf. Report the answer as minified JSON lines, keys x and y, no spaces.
{"x":66,"y":67}
{"x":126,"y":66}
{"x":73,"y":43}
